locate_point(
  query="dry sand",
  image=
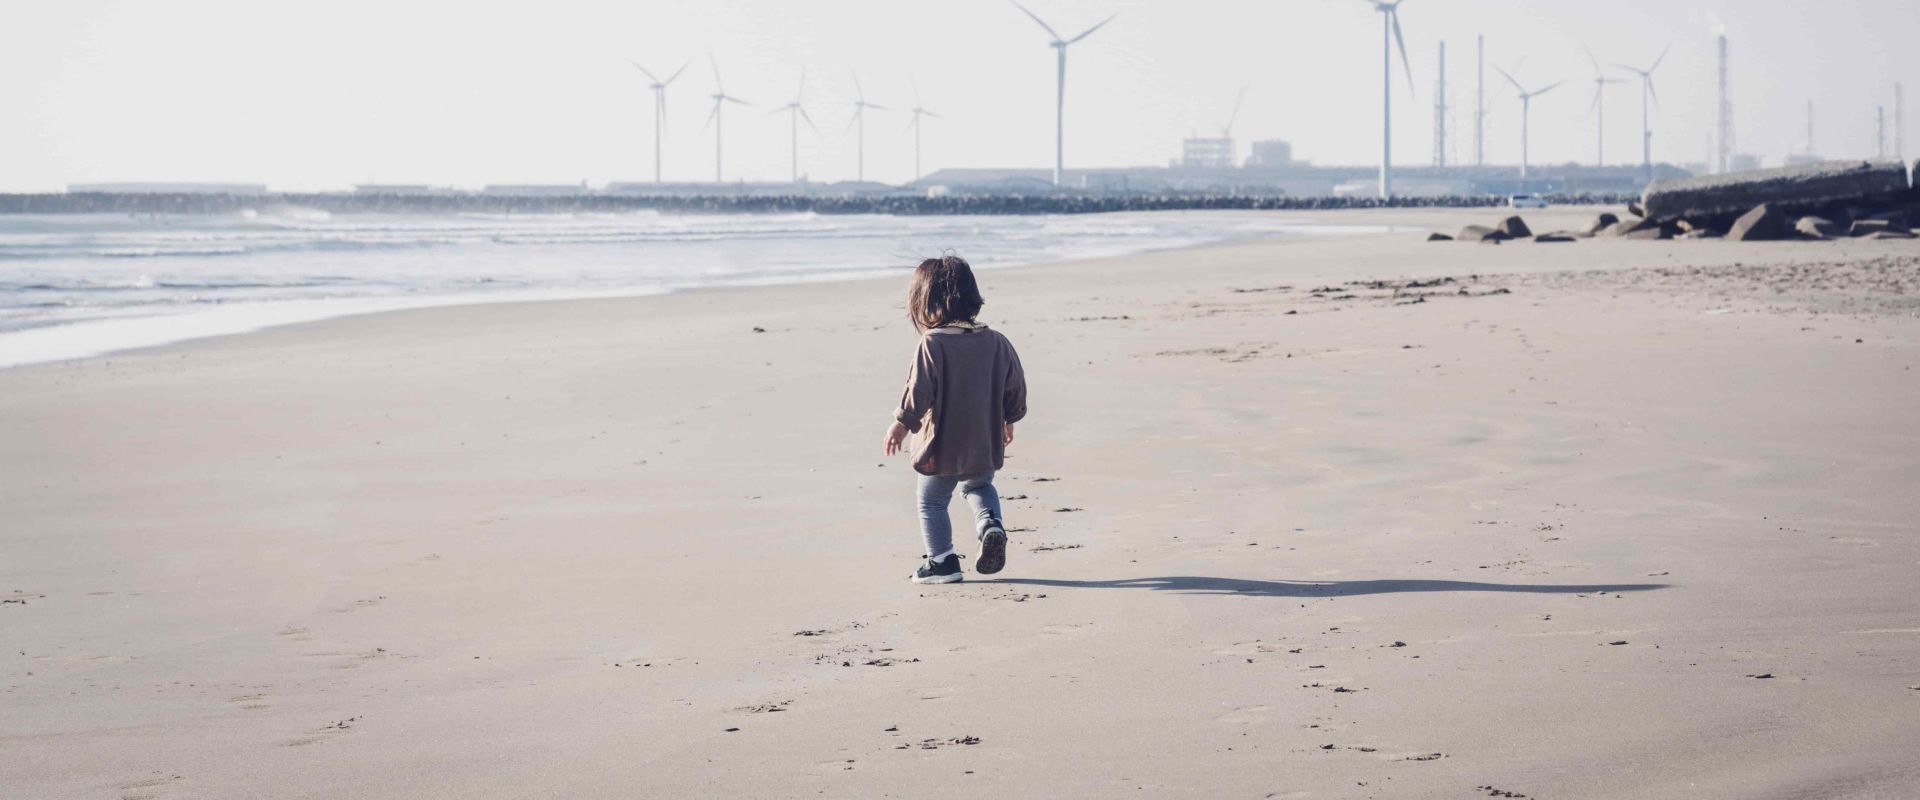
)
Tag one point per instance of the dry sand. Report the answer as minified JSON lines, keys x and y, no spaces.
{"x":1608,"y":533}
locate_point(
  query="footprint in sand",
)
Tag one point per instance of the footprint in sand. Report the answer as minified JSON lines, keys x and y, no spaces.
{"x":148,"y":788}
{"x":360,"y":604}
{"x":1246,"y":715}
{"x":334,"y":731}
{"x":250,"y":702}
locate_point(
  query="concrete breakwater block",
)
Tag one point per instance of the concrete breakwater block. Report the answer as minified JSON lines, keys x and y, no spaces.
{"x":1807,"y":186}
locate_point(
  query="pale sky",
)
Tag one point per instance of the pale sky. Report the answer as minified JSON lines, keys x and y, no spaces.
{"x":310,"y":96}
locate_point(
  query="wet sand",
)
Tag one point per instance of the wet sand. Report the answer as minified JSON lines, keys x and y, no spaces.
{"x":1349,"y":517}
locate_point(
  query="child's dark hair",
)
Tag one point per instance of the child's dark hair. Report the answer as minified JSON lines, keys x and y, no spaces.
{"x":943,"y":293}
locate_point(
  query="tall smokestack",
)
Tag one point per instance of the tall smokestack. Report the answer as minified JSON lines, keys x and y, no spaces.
{"x":1440,"y":112}
{"x":1899,"y":125}
{"x":1723,"y":156}
{"x":1880,"y":132}
{"x":1480,"y":103}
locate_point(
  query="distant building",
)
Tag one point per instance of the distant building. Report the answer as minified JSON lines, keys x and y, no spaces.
{"x":537,"y":189}
{"x":1271,"y":153}
{"x":1198,"y":152}
{"x":166,"y":188}
{"x":404,"y":189}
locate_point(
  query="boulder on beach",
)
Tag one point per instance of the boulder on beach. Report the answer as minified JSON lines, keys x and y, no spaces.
{"x":1636,"y":228}
{"x":1816,"y":227}
{"x":1600,"y":223}
{"x":1701,"y":233}
{"x":1762,"y":224}
{"x":1515,"y":227}
{"x":1873,"y":225}
{"x":1806,"y":186}
{"x":1481,"y":233}
{"x":1555,"y":237}
{"x":1439,"y":237}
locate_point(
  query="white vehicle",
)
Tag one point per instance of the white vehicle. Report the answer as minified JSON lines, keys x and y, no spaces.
{"x":1526,"y":201}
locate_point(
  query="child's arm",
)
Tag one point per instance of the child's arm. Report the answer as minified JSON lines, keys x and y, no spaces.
{"x":915,"y":400}
{"x":1014,"y":403}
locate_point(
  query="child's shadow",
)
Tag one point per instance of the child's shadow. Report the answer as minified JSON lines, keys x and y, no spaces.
{"x":1193,"y":584}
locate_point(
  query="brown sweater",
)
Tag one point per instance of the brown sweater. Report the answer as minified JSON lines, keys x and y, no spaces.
{"x":963,"y":386}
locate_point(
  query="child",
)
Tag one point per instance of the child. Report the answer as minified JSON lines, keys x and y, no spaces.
{"x":965,"y":389}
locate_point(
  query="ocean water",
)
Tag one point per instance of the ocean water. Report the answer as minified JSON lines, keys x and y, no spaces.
{"x":79,"y":285}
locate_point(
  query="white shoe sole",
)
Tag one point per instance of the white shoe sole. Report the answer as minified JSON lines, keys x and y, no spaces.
{"x":954,"y":578}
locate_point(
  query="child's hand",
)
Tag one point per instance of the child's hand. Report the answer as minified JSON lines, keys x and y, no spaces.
{"x":895,"y":435}
{"x":1009,"y":432}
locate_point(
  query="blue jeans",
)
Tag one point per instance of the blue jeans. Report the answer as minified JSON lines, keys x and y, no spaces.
{"x":936,"y":491}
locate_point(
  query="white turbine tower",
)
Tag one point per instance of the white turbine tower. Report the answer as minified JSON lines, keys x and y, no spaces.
{"x":720,"y":100}
{"x":918,"y":112}
{"x":860,"y":106}
{"x":1060,"y":104}
{"x":1647,"y":95}
{"x":1526,"y":108}
{"x":1600,"y":81}
{"x":659,"y":108}
{"x":1389,"y":36}
{"x":795,"y":113}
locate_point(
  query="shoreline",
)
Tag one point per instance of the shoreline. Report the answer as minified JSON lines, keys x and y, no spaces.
{"x":110,"y":335}
{"x":1350,"y":530}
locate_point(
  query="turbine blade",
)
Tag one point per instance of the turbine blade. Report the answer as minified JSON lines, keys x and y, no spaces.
{"x":1516,"y":84}
{"x":1596,"y":62}
{"x":1653,"y":94}
{"x":877,"y":107}
{"x":710,"y":115}
{"x":809,"y":118}
{"x":1036,"y":18}
{"x":643,"y":70}
{"x":718,"y":87}
{"x":676,"y":73}
{"x":1402,"y":41}
{"x":1089,"y":31}
{"x":1663,"y":57}
{"x":732,"y":99}
{"x":931,"y":114}
{"x":1548,"y":88}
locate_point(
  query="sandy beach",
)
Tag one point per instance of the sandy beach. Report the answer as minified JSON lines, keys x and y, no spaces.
{"x":1348,"y":516}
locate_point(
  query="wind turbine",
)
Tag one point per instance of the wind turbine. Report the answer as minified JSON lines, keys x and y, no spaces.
{"x":1526,"y":107}
{"x":918,"y":112}
{"x":659,"y":108}
{"x":1060,"y":105}
{"x":720,"y":100}
{"x":1600,"y":81}
{"x":1389,"y":36}
{"x":795,"y":113}
{"x":1646,"y":120}
{"x":860,"y":107}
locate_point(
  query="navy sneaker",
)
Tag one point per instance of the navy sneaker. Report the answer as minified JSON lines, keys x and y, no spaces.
{"x":993,"y":548}
{"x":946,"y":570}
